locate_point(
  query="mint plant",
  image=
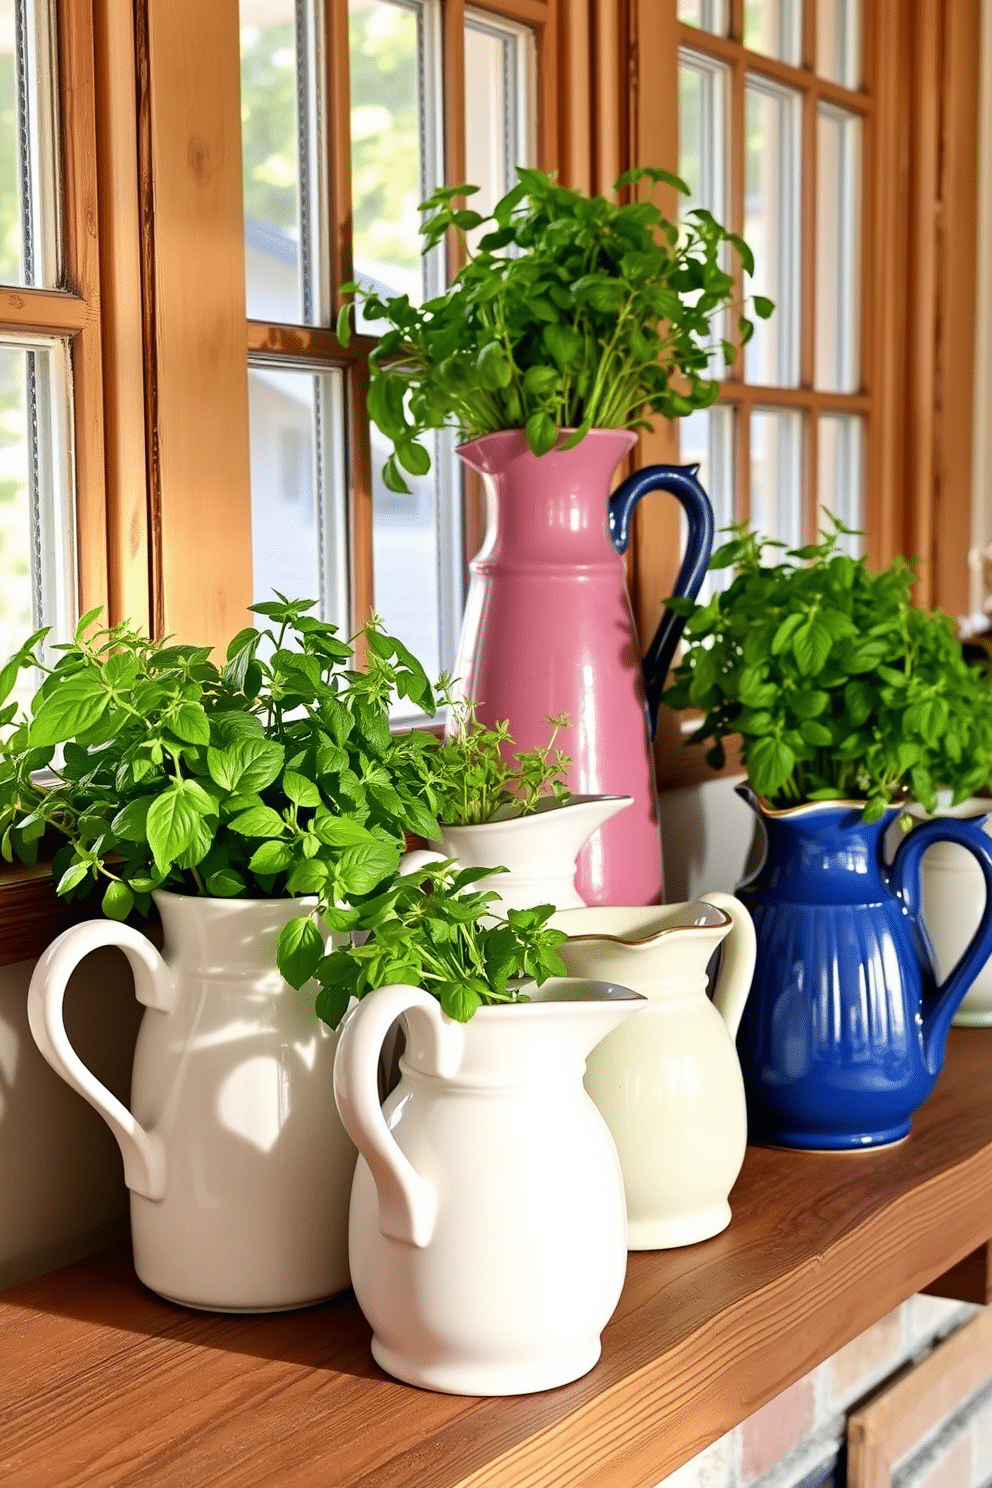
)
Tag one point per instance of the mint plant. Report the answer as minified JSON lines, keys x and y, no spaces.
{"x":432,"y":930}
{"x":839,"y":685}
{"x":273,"y":775}
{"x":469,"y":779}
{"x":575,"y":313}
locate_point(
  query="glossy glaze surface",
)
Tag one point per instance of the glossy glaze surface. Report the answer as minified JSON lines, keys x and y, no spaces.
{"x":238,"y":1165}
{"x":844,"y":1033}
{"x":548,"y":629}
{"x":539,"y":851}
{"x":668,"y":1082}
{"x":488,"y":1232}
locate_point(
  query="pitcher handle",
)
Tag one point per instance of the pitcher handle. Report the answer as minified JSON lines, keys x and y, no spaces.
{"x":679,"y":481}
{"x":905,"y":878}
{"x":143,"y":1153}
{"x":407,"y":1202}
{"x":739,"y":952}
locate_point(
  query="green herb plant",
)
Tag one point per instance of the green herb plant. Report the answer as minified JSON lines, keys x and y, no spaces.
{"x":432,"y":930}
{"x":839,"y":685}
{"x":273,"y":775}
{"x":574,"y":313}
{"x":469,"y":778}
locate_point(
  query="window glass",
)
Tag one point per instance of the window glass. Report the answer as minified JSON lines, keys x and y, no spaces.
{"x":838,"y":239}
{"x":774,"y":27}
{"x":37,"y":528}
{"x":840,"y":458}
{"x":707,"y":440}
{"x":298,"y":500}
{"x":776,"y":474}
{"x":771,"y":226}
{"x":708,"y":15}
{"x":499,"y":63}
{"x":387,"y":168}
{"x":11,"y":226}
{"x":838,"y":41}
{"x":702,"y":157}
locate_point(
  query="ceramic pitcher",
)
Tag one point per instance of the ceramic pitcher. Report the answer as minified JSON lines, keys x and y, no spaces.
{"x":539,"y":850}
{"x":845,"y":1031}
{"x":488,"y":1236}
{"x":548,"y":629}
{"x":238,"y":1166}
{"x":668,"y":1082}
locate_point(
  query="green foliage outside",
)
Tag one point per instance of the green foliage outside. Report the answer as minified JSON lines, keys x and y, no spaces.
{"x":269,"y":124}
{"x":840,"y":687}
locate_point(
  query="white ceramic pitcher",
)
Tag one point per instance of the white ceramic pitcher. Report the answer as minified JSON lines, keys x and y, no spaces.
{"x":488,"y":1238}
{"x":669,"y":1083}
{"x":539,"y":849}
{"x":239,"y":1168}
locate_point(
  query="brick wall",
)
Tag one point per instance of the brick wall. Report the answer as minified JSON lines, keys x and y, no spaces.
{"x":797,"y":1439}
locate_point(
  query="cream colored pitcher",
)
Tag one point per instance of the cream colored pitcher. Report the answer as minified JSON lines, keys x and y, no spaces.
{"x":668,"y":1081}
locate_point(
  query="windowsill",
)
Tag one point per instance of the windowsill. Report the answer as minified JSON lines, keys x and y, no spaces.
{"x":101,"y":1374}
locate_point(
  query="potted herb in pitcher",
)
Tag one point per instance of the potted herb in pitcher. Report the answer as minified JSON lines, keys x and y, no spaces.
{"x":500,"y":805}
{"x":576,"y":322}
{"x":488,"y":1228}
{"x":240,"y":798}
{"x":849,"y":700}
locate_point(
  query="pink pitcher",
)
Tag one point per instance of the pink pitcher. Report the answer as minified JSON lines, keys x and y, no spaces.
{"x":548,"y":629}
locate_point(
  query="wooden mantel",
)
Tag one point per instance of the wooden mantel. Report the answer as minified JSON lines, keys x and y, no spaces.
{"x":102,"y":1384}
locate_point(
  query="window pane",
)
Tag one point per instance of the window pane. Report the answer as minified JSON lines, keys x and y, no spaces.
{"x":840,"y":475}
{"x":774,"y":27}
{"x":707,"y":440}
{"x":771,"y":227}
{"x":37,"y":529}
{"x":838,"y":233}
{"x":838,"y":41}
{"x":776,"y":474}
{"x":708,"y":15}
{"x":30,"y":233}
{"x":702,"y":156}
{"x":298,"y":503}
{"x":270,"y":127}
{"x":387,"y":169}
{"x":499,"y":133}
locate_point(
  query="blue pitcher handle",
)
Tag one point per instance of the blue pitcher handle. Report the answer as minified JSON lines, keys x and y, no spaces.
{"x":680,"y":481}
{"x":905,"y":879}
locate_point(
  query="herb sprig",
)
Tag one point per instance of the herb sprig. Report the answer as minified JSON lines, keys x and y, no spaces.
{"x":840,"y":686}
{"x":470,"y":779}
{"x":574,"y":313}
{"x":432,"y":930}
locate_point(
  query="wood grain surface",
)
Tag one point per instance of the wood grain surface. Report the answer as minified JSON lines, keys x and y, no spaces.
{"x":102,"y":1384}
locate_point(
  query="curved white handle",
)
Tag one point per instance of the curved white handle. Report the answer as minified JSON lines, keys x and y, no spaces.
{"x":143,"y":1154}
{"x":407,"y":1202}
{"x":737,"y":961}
{"x":412,"y":861}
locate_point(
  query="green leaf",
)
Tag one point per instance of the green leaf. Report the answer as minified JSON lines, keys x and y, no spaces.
{"x":299,"y":950}
{"x":343,"y":330}
{"x":815,"y":733}
{"x":247,"y":765}
{"x":258,"y":821}
{"x":494,"y":367}
{"x":118,"y":901}
{"x":811,"y":645}
{"x":763,"y":307}
{"x":542,"y":433}
{"x":190,"y":723}
{"x":332,"y":1004}
{"x":75,"y":705}
{"x":362,"y":869}
{"x":173,"y":826}
{"x":770,"y":762}
{"x":131,"y":823}
{"x":413,"y":457}
{"x":300,"y":790}
{"x":460,"y":999}
{"x":225,"y":883}
{"x":73,"y":877}
{"x":271,"y":858}
{"x":785,"y":632}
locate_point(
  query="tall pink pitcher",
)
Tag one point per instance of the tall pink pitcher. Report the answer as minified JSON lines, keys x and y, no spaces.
{"x":548,"y":629}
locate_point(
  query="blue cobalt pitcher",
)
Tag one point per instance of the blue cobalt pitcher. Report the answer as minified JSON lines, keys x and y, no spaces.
{"x":843,"y":1035}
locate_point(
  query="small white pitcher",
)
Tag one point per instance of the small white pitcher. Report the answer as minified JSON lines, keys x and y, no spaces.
{"x":669,"y":1084}
{"x":239,"y":1168}
{"x":488,"y":1237}
{"x":539,"y":849}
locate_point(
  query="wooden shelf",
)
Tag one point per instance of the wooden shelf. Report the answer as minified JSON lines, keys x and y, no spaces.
{"x":102,"y":1384}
